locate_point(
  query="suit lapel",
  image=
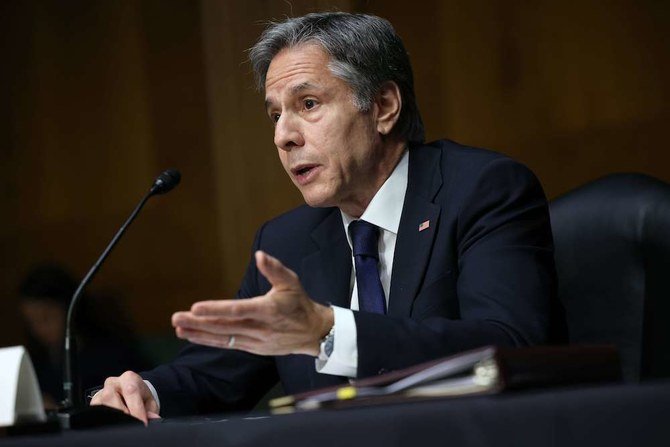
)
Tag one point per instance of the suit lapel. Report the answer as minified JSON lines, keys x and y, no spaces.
{"x":326,"y":273}
{"x":418,"y":224}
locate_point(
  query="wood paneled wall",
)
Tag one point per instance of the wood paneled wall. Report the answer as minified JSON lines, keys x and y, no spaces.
{"x":574,"y":89}
{"x":98,"y":97}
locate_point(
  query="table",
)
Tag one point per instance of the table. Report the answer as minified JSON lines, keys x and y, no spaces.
{"x":612,"y":415}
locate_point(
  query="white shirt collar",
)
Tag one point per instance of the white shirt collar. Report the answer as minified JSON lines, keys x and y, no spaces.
{"x":385,"y":208}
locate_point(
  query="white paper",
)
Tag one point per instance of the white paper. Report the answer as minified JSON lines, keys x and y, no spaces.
{"x":20,"y":397}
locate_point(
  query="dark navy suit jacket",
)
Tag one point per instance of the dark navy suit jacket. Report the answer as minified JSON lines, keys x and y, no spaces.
{"x":481,"y":273}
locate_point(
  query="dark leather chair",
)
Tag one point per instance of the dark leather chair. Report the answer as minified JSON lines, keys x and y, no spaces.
{"x":612,"y":240}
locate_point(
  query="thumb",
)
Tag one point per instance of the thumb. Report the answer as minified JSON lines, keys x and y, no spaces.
{"x":274,"y":271}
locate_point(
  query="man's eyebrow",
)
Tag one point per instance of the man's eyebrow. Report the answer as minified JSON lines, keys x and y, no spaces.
{"x":302,"y":86}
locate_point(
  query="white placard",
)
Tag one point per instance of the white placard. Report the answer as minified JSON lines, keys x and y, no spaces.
{"x":20,"y":397}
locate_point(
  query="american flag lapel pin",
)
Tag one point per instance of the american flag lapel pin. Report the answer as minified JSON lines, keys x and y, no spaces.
{"x":424,"y":225}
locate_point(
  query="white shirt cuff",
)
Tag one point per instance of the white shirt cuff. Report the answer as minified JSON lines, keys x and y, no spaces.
{"x":154,"y":394}
{"x":343,"y":361}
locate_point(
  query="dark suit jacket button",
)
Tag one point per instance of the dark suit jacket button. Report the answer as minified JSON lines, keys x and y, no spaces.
{"x":382,"y":371}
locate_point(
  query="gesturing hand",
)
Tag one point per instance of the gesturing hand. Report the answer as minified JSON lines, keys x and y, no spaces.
{"x":283,"y":321}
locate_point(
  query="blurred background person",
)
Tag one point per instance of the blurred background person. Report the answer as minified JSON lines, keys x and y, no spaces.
{"x":105,"y":339}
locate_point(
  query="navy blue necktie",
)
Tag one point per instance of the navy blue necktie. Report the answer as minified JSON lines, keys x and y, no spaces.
{"x":364,"y":237}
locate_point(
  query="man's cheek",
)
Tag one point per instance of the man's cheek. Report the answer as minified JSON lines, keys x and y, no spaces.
{"x":284,"y":161}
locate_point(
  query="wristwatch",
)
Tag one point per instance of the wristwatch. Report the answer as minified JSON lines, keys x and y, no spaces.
{"x":327,"y":344}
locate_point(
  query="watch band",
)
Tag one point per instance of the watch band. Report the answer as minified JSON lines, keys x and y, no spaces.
{"x":327,"y":344}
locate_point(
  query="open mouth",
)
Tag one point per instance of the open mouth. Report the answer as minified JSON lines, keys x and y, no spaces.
{"x":303,"y":172}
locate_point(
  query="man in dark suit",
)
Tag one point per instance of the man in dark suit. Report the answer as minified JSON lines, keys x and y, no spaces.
{"x":405,"y":251}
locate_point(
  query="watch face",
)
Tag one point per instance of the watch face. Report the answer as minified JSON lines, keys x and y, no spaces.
{"x":329,"y":344}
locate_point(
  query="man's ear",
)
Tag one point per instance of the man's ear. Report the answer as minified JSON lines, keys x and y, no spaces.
{"x":388,"y":103}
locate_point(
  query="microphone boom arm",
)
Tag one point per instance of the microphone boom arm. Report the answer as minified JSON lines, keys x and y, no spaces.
{"x":71,"y":380}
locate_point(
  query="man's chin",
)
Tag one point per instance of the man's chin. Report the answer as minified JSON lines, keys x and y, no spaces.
{"x":318,"y":201}
{"x":320,"y":205}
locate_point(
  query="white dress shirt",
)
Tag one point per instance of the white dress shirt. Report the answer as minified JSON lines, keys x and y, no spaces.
{"x":384,"y":211}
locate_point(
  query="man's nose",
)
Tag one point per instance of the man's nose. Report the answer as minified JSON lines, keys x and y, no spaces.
{"x":288,"y":134}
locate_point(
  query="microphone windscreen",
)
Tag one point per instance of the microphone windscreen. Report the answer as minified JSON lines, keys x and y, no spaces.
{"x":166,"y":181}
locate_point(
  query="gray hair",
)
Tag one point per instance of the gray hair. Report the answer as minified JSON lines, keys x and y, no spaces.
{"x":365,"y":52}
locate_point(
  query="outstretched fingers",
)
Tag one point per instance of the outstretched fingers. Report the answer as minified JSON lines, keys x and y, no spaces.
{"x":280,"y":276}
{"x":232,"y":310}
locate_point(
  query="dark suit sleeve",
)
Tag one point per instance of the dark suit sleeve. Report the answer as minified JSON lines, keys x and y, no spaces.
{"x":204,"y":380}
{"x":503,"y":282}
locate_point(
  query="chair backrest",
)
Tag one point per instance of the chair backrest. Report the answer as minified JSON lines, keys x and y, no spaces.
{"x":612,"y":240}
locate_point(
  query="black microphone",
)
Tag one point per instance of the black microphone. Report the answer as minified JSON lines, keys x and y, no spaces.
{"x":71,"y":380}
{"x":165,"y":182}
